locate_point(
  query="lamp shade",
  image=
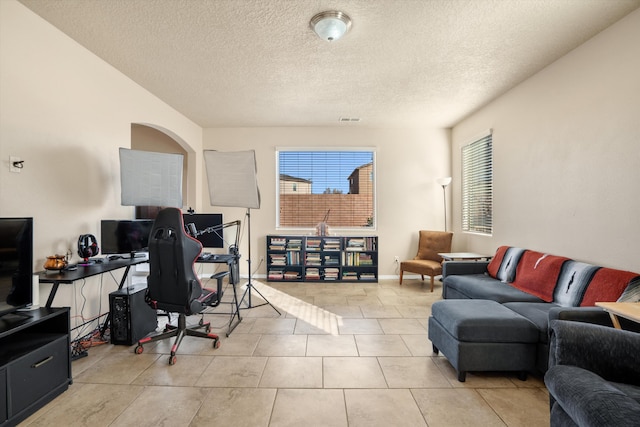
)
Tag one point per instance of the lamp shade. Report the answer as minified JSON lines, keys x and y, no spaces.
{"x":444,"y":181}
{"x":330,"y":25}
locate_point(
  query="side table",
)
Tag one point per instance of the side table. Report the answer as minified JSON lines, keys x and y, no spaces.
{"x":464,"y":256}
{"x":628,"y":310}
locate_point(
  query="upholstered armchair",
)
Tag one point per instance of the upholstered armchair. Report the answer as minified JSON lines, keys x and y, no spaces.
{"x":427,"y":262}
{"x":594,"y":376}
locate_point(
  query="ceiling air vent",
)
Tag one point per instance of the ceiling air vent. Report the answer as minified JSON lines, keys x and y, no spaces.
{"x":349,"y":119}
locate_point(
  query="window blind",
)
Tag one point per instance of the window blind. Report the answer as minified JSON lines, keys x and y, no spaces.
{"x":477,"y":186}
{"x":333,"y":186}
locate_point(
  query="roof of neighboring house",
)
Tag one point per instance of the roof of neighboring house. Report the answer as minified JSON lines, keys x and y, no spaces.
{"x":360,"y":167}
{"x":285,"y":177}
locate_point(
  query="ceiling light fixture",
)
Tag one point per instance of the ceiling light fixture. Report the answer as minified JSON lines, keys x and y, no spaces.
{"x":330,"y":25}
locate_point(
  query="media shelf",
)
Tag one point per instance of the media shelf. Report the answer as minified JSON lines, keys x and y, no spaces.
{"x":322,"y":258}
{"x":35,"y":361}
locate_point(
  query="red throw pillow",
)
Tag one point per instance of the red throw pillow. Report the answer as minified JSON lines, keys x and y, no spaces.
{"x":607,"y":285}
{"x":537,"y":274}
{"x":494,"y":264}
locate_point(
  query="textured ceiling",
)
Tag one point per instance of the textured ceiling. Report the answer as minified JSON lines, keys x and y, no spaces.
{"x":226,"y":63}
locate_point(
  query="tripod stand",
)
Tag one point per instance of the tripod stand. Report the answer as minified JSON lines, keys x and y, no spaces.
{"x":250,"y":287}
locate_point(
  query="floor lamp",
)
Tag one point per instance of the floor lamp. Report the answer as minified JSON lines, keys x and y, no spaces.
{"x":233,"y":182}
{"x":444,"y":182}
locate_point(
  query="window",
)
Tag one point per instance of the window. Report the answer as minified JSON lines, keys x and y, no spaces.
{"x":477,"y":186}
{"x":332,"y":186}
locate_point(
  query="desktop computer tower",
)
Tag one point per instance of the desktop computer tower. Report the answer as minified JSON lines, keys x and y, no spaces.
{"x":130,"y":317}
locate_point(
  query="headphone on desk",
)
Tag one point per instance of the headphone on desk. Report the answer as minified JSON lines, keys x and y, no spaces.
{"x":87,"y":246}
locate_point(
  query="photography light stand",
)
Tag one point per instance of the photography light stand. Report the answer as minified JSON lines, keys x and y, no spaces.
{"x":249,"y":286}
{"x":232,"y":179}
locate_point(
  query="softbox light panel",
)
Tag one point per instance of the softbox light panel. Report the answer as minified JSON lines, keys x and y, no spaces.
{"x":150,"y":179}
{"x":232,"y":178}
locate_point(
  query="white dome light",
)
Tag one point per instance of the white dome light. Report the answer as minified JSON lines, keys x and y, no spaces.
{"x":330,"y":25}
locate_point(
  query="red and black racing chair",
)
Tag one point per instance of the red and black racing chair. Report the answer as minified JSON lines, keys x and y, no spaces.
{"x":172,"y":284}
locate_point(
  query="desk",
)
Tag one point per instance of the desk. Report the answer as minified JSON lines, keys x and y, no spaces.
{"x":82,"y":272}
{"x":463,"y":256}
{"x":56,"y":277}
{"x":628,"y":310}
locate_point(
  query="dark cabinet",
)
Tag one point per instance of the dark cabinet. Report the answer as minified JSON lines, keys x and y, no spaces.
{"x":35,"y":361}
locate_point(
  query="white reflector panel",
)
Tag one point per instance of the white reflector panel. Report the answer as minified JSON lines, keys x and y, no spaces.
{"x":232,"y":178}
{"x":150,"y":179}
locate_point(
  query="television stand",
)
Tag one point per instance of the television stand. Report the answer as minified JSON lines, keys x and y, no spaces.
{"x":15,"y":315}
{"x":35,"y":361}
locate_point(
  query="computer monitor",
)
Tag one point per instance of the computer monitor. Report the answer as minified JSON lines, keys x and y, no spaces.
{"x":125,"y":236}
{"x":211,"y":239}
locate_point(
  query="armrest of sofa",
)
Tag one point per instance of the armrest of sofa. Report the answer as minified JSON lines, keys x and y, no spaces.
{"x":608,"y":352}
{"x":588,"y":399}
{"x":450,"y":268}
{"x":594,"y":315}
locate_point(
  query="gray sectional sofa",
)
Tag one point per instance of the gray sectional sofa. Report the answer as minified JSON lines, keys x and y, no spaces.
{"x":532,"y":285}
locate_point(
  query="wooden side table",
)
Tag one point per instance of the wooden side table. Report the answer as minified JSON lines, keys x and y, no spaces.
{"x":628,"y":310}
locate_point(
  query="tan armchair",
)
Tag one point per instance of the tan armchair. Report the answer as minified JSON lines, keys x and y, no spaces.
{"x":427,"y":262}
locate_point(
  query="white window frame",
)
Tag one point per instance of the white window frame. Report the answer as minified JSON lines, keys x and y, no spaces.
{"x":477,"y":185}
{"x":373,"y":227}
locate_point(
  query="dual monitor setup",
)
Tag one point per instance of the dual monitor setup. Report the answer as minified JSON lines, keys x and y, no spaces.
{"x":123,"y":238}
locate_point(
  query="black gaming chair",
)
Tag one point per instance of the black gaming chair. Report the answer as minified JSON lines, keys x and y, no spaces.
{"x":172,"y":284}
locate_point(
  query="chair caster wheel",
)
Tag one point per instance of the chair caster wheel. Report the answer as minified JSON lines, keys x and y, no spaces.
{"x":207,"y":329}
{"x":172,"y":360}
{"x":139,"y":349}
{"x":216,"y":343}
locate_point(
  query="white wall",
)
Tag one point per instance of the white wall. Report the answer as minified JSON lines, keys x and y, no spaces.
{"x":408,"y":162}
{"x":65,"y":112}
{"x":567,"y":155}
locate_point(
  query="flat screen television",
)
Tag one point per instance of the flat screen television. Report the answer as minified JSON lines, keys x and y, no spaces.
{"x":122,"y":237}
{"x":212,"y":239}
{"x":16,"y":264}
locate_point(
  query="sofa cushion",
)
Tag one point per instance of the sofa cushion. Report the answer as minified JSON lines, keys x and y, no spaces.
{"x":536,"y":313}
{"x":483,"y":321}
{"x":481,"y":286}
{"x":572,"y":284}
{"x":537,"y":274}
{"x":504,"y":262}
{"x":608,"y":285}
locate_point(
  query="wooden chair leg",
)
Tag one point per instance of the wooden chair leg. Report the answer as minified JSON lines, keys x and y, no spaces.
{"x":431,"y":283}
{"x":401,"y":277}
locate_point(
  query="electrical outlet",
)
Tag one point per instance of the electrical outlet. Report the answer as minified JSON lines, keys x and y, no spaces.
{"x":396,"y":258}
{"x":261,"y":258}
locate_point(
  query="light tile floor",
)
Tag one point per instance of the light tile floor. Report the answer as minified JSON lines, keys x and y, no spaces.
{"x":339,"y":354}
